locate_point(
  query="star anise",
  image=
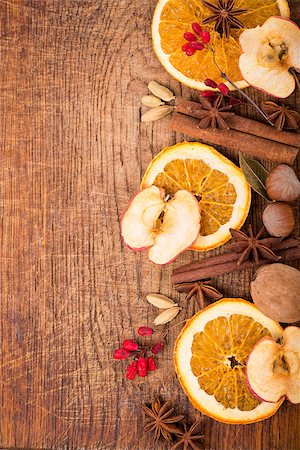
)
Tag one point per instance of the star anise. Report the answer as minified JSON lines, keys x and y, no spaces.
{"x":189,"y":438}
{"x":282,"y":115}
{"x":224,"y":14}
{"x":214,"y":115}
{"x":250,"y":246}
{"x":162,"y":420}
{"x":201,"y":289}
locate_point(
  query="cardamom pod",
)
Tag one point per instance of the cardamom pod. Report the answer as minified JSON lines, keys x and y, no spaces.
{"x":160,"y":301}
{"x":167,"y":315}
{"x":157,"y":113}
{"x":160,"y":91}
{"x":151,"y":101}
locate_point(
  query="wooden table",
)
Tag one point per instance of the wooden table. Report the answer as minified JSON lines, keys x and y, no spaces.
{"x":73,"y":151}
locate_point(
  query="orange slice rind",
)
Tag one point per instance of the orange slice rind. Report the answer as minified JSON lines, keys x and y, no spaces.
{"x":210,"y":360}
{"x":172,"y":18}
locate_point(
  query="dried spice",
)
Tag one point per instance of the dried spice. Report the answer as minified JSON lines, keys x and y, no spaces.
{"x":157,"y":113}
{"x":170,"y":308}
{"x":161,"y":420}
{"x":258,"y":139}
{"x":250,"y":246}
{"x":255,"y":173}
{"x":189,"y":438}
{"x":214,"y":115}
{"x":167,"y":315}
{"x":151,"y":101}
{"x":160,"y":91}
{"x":160,"y":301}
{"x":156,"y":102}
{"x":257,"y":146}
{"x":282,"y":115}
{"x":200,"y":289}
{"x":225,"y":16}
{"x":285,"y":249}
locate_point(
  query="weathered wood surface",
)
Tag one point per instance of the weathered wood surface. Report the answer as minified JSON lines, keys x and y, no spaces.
{"x":72,"y":154}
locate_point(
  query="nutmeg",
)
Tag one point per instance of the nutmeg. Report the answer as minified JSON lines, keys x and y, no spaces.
{"x":279,"y":219}
{"x":276,"y":292}
{"x":282,"y":184}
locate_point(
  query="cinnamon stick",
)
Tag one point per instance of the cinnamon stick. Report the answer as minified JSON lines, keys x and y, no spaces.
{"x":236,"y":140}
{"x":207,"y":262}
{"x":204,"y":273}
{"x":230,"y":256}
{"x":239,"y":123}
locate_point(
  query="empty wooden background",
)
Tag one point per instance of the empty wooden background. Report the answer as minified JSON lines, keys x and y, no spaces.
{"x":73,"y":151}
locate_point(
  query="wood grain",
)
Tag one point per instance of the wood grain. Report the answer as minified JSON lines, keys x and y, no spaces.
{"x":72,"y":154}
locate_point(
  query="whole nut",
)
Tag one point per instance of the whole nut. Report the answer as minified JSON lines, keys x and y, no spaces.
{"x":282,"y":184}
{"x":279,"y":219}
{"x":276,"y":292}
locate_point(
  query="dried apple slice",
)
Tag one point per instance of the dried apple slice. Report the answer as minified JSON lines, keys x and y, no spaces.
{"x":177,"y":230}
{"x":138,"y":226}
{"x":273,"y":370}
{"x":268,"y":53}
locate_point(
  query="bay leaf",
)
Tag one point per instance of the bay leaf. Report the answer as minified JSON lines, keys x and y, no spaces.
{"x":255,"y":174}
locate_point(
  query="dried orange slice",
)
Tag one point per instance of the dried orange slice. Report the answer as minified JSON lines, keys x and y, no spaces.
{"x":210,"y":360}
{"x":172,"y":18}
{"x":219,"y":185}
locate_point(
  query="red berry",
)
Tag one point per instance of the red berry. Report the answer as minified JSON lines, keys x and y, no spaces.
{"x":157,"y":348}
{"x":189,"y":36}
{"x":145,"y":331}
{"x":121,"y":353}
{"x":130,"y":375}
{"x":205,"y":37}
{"x":131,"y":371}
{"x":130,"y":345}
{"x":190,"y":51}
{"x":142,"y":367}
{"x":197,"y":45}
{"x":210,"y":83}
{"x":208,"y":94}
{"x":223,"y":88}
{"x":196,"y":27}
{"x":151,"y":364}
{"x":186,"y":46}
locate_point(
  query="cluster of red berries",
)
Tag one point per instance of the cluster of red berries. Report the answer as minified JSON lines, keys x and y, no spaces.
{"x":195,"y":41}
{"x":221,"y":86}
{"x":223,"y":89}
{"x":142,"y":363}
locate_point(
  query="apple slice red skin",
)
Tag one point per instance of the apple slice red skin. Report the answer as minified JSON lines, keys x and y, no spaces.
{"x":185,"y":249}
{"x":260,"y":398}
{"x":138,"y":249}
{"x":248,"y":382}
{"x":173,"y":259}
